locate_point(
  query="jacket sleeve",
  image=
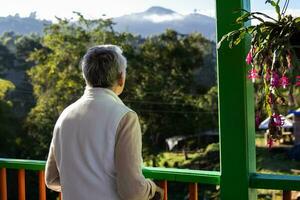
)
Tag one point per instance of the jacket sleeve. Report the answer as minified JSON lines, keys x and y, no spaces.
{"x":131,"y":183}
{"x":52,"y":179}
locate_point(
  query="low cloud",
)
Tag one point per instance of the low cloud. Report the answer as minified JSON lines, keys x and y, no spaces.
{"x":207,"y":12}
{"x":162,"y":18}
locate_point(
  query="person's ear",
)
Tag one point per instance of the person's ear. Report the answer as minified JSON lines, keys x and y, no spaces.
{"x":121,"y":79}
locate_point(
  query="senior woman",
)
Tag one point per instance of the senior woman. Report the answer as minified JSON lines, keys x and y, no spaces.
{"x":95,"y":152}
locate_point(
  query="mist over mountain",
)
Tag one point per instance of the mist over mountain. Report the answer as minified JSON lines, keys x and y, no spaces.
{"x":157,"y":19}
{"x":153,"y":21}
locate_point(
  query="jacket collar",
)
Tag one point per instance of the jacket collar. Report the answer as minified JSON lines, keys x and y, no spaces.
{"x":92,"y":92}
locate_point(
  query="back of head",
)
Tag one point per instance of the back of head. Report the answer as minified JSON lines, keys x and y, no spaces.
{"x":102,"y":65}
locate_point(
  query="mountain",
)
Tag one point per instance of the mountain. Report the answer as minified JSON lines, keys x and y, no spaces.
{"x":22,"y":25}
{"x":156,"y":19}
{"x":159,"y":10}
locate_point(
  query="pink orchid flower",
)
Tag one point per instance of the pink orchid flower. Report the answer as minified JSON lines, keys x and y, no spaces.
{"x":284,"y":81}
{"x":253,"y":74}
{"x":249,"y":58}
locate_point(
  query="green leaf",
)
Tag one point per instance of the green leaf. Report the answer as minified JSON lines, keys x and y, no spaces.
{"x":297,"y":22}
{"x":273,"y":3}
{"x":277,"y":8}
{"x":243,"y":18}
{"x":239,"y":39}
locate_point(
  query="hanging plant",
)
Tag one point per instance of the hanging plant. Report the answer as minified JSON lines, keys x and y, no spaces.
{"x":273,"y":57}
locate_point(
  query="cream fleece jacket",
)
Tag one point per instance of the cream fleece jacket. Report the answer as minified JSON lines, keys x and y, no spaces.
{"x":95,"y":152}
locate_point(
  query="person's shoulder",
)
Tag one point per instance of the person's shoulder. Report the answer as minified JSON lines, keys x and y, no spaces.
{"x":127,"y":109}
{"x":67,"y":110}
{"x":128,"y":119}
{"x":121,"y":107}
{"x":126,"y":113}
{"x":70,"y":107}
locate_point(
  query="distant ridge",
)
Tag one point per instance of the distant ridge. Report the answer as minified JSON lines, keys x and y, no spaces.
{"x":22,"y":25}
{"x":152,"y":21}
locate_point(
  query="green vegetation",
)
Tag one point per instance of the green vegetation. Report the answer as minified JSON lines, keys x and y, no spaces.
{"x":204,"y":159}
{"x":7,"y":127}
{"x":275,"y":160}
{"x":162,"y":84}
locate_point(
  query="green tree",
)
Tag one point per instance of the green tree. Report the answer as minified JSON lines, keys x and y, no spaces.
{"x":6,"y":58}
{"x":8,"y":128}
{"x":160,"y":86}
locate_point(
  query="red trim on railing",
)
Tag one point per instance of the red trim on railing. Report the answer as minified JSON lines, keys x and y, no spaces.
{"x":286,"y":195}
{"x":164,"y":186}
{"x":21,"y":184}
{"x":193,"y":191}
{"x":3,"y":185}
{"x":42,"y":186}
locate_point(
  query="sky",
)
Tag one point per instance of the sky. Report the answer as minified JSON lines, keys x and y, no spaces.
{"x":48,"y":9}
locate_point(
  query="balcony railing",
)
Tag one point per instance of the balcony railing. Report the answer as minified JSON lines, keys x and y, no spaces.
{"x":162,"y":175}
{"x":286,"y":183}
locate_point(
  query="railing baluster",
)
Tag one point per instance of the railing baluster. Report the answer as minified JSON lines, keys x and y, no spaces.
{"x":42,"y":186}
{"x":21,"y":184}
{"x":286,"y":195}
{"x":164,"y":186}
{"x":193,"y":191}
{"x":3,"y":184}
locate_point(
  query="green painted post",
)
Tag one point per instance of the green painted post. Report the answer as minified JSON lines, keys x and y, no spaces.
{"x":236,"y":110}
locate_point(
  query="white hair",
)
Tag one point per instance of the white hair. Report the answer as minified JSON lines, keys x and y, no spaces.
{"x":121,"y":60}
{"x":102,"y":64}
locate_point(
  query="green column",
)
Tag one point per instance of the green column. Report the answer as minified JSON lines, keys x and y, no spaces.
{"x":236,"y":109}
